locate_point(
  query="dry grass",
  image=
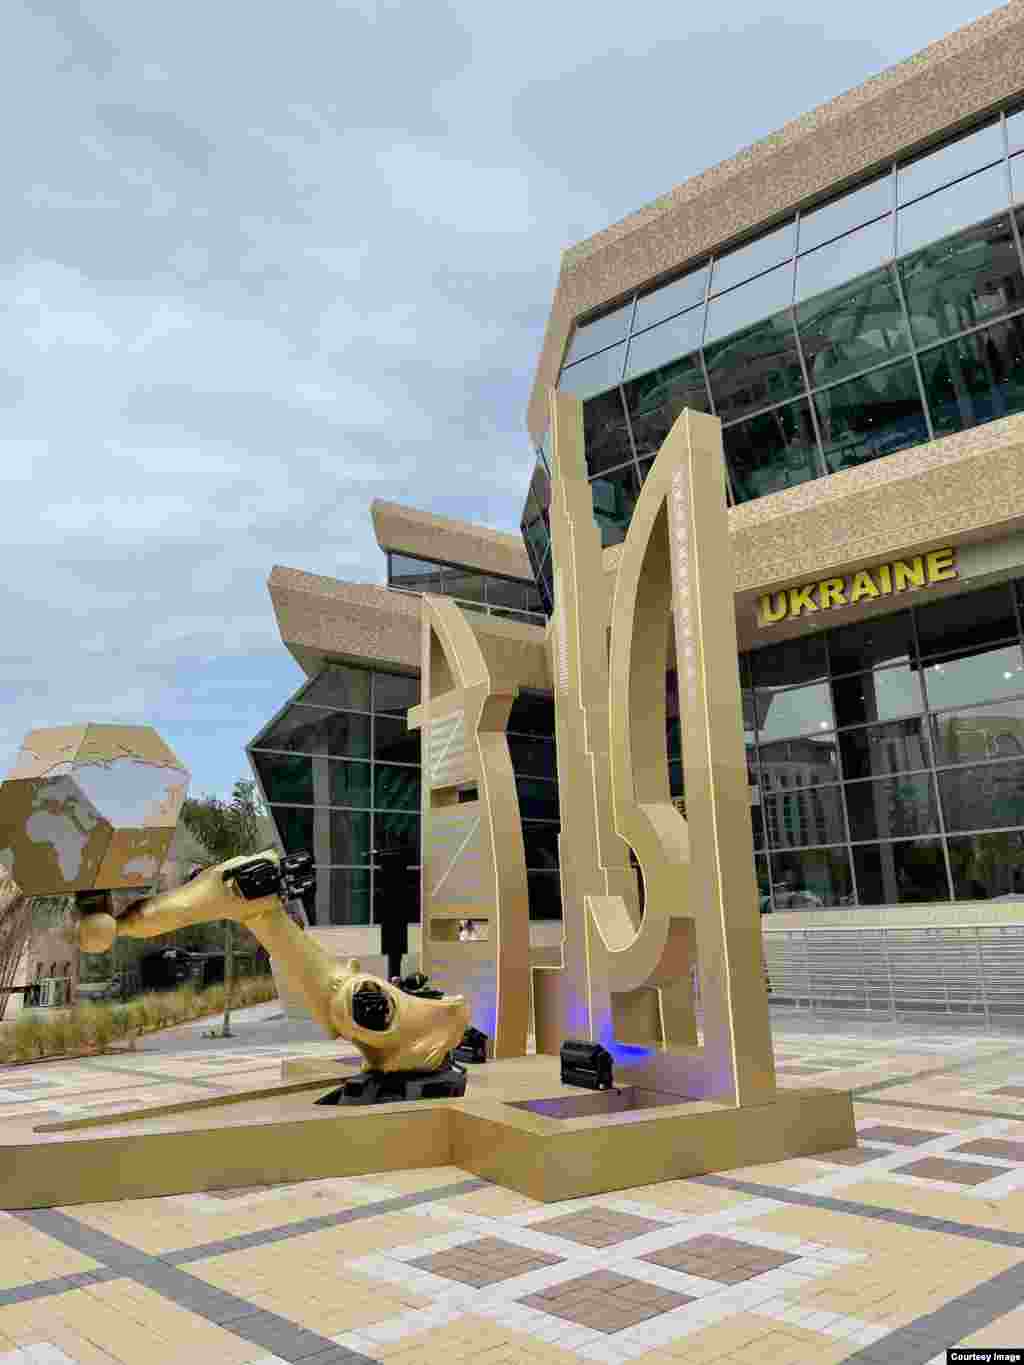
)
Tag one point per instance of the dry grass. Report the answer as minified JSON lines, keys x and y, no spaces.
{"x":93,"y":1027}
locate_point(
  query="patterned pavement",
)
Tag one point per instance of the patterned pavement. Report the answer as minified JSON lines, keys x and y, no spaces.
{"x":888,"y":1252}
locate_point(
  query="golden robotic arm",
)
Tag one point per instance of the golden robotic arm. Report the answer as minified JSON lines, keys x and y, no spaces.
{"x":395,"y":1031}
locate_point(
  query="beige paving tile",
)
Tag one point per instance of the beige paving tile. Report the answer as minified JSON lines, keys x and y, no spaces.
{"x":426,"y":1178}
{"x":751,"y":1340}
{"x":492,"y":1203}
{"x":1005,"y":1331}
{"x":933,"y":1203}
{"x":685,"y":1196}
{"x":27,"y":1255}
{"x":944,"y":1122}
{"x":796,"y":1171}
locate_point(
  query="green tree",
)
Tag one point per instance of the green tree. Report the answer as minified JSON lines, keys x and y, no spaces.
{"x":227,"y":829}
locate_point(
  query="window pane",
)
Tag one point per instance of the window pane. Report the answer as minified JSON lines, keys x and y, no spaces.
{"x":350,"y":785}
{"x":988,"y":866}
{"x":294,"y":828}
{"x":1015,"y":131}
{"x":989,"y":796}
{"x":664,"y":343}
{"x":883,"y":640}
{"x":533,"y":757}
{"x":541,"y":843}
{"x":415,"y":574}
{"x":600,"y":372}
{"x":875,"y":749}
{"x":797,"y":817}
{"x":753,"y":258}
{"x":1017,"y":177}
{"x":285,"y":778}
{"x":773,"y":451}
{"x":832,"y":266}
{"x":951,"y":162}
{"x":754,"y":368}
{"x":502,"y":592}
{"x":346,"y":688}
{"x":875,"y":415}
{"x":811,"y":879}
{"x":799,"y":763}
{"x":605,"y":432}
{"x":891,"y":809}
{"x":671,"y":298}
{"x":962,"y":281}
{"x":464,"y":584}
{"x":545,"y":895}
{"x":881,"y":695}
{"x":305,"y":730}
{"x":393,"y":741}
{"x":959,"y":682}
{"x":395,"y":692}
{"x":614,"y":498}
{"x":350,"y":838}
{"x":599,"y":334}
{"x":749,"y":303}
{"x":951,"y":210}
{"x":655,"y":401}
{"x":967,"y":622}
{"x":538,"y":800}
{"x":860,"y":206}
{"x":852,"y":328}
{"x":532,"y":714}
{"x":397,"y":829}
{"x":798,"y":711}
{"x":979,"y":732}
{"x":396,"y":788}
{"x":676,"y":782}
{"x":901,"y":874}
{"x":975,"y":379}
{"x":347,"y":894}
{"x":795,"y":661}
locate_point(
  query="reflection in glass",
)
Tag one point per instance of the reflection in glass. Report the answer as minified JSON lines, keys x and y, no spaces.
{"x":532,"y":713}
{"x":749,"y":303}
{"x":309,"y":730}
{"x":538,"y":800}
{"x":1015,"y":131}
{"x":989,"y":796}
{"x":347,"y":894}
{"x":979,"y":732}
{"x":852,"y":328}
{"x":797,"y":711}
{"x":859,"y":206}
{"x":540,"y":840}
{"x":671,"y":298}
{"x":832,"y":266}
{"x":656,"y":400}
{"x":395,"y":692}
{"x":397,"y":829}
{"x":965,"y":280}
{"x":981,"y":677}
{"x":676,"y":781}
{"x":885,"y":639}
{"x":951,"y":210}
{"x":753,"y":258}
{"x":802,"y":660}
{"x":905,"y":873}
{"x":950,"y":163}
{"x":881,"y":695}
{"x":665,"y":342}
{"x":467,"y":586}
{"x":871,"y":416}
{"x":533,"y":757}
{"x":1017,"y":177}
{"x":350,"y":838}
{"x":545,"y":895}
{"x":605,"y":432}
{"x":600,"y":372}
{"x":893,"y":808}
{"x":599,"y":334}
{"x":804,"y":762}
{"x":873,"y":750}
{"x":285,"y":778}
{"x":754,"y":368}
{"x":418,"y":575}
{"x":988,"y":866}
{"x":797,"y":817}
{"x":614,"y":497}
{"x":350,"y":784}
{"x":811,"y":879}
{"x":504,"y":592}
{"x":346,"y":688}
{"x":967,"y":622}
{"x":294,"y":828}
{"x":976,"y":378}
{"x":776,"y":450}
{"x":394,"y":742}
{"x":395,"y":788}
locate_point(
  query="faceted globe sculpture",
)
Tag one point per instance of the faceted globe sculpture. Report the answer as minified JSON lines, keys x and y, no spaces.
{"x":90,"y":808}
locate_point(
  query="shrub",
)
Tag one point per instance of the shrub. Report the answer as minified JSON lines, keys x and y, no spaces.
{"x":57,"y":1033}
{"x":29,"y":1037}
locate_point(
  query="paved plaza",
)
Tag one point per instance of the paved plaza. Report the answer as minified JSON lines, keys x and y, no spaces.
{"x":889,"y":1252}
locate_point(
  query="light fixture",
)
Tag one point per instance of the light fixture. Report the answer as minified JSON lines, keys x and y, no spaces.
{"x":586,"y":1064}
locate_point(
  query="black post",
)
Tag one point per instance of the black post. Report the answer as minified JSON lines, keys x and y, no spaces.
{"x":392,"y":899}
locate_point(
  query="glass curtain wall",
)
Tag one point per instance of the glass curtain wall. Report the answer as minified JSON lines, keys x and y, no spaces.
{"x":340,"y":773}
{"x":890,"y":316}
{"x":531,"y":742}
{"x":510,"y":597}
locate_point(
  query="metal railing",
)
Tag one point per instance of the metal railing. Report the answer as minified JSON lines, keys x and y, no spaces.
{"x":958,"y":970}
{"x":534,"y":618}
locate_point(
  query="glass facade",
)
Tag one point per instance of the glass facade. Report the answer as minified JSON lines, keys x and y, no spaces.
{"x":888,"y":317}
{"x":514,"y":598}
{"x":340,"y":773}
{"x":531,"y":742}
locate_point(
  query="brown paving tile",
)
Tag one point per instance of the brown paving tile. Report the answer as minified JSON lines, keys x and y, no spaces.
{"x":852,"y":1156}
{"x":997,"y":1147}
{"x":958,"y":1172}
{"x":605,"y":1301}
{"x":485,"y":1261}
{"x":597,"y":1227}
{"x":725,"y":1260}
{"x":904,"y":1137}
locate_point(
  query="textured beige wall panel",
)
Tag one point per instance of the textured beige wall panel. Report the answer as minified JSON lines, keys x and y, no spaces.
{"x":428,"y":536}
{"x":949,"y":83}
{"x":321,"y":617}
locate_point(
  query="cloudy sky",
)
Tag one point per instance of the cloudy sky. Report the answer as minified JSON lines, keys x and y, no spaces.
{"x":263,"y":262}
